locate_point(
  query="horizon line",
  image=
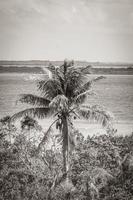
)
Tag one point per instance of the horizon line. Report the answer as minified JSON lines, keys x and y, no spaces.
{"x":48,"y":60}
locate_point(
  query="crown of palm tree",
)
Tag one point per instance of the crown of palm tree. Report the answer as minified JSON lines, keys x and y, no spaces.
{"x":64,"y":92}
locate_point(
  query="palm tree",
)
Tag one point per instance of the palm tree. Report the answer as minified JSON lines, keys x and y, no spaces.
{"x":63,"y":95}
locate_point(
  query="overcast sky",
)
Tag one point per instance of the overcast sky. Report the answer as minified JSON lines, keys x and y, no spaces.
{"x":93,"y":30}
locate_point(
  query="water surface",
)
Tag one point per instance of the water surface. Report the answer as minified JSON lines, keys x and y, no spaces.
{"x":115,"y":93}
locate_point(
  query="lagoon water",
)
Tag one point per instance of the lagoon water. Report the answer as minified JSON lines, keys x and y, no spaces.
{"x":115,"y":93}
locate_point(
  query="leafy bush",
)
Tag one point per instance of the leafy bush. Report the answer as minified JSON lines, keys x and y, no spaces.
{"x":101,"y":167}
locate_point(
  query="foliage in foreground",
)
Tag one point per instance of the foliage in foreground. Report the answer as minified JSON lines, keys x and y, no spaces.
{"x":101,"y":168}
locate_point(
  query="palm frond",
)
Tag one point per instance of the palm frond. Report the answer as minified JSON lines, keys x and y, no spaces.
{"x":57,"y":74}
{"x":97,"y":114}
{"x":45,"y":137}
{"x":39,"y":112}
{"x":80,"y":99}
{"x":34,"y":100}
{"x":85,"y":70}
{"x":66,"y":65}
{"x":50,"y":88}
{"x":74,"y":80}
{"x":98,"y":78}
{"x":60,"y":102}
{"x":51,"y":67}
{"x":87,"y":85}
{"x":51,"y":70}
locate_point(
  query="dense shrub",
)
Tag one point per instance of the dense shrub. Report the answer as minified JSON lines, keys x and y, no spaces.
{"x":101,"y":167}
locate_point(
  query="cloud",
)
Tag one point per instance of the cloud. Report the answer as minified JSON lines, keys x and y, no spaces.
{"x":53,"y":24}
{"x":94,"y":13}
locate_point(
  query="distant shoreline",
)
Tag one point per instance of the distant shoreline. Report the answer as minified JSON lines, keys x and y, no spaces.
{"x":58,"y":63}
{"x":39,"y":70}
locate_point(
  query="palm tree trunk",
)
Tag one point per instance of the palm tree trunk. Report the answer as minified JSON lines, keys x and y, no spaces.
{"x":65,"y":146}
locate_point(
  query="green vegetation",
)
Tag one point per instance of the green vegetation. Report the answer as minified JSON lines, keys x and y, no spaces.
{"x":63,"y":165}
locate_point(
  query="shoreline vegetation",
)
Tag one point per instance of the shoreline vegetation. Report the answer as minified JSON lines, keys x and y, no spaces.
{"x":101,"y":166}
{"x":36,"y":67}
